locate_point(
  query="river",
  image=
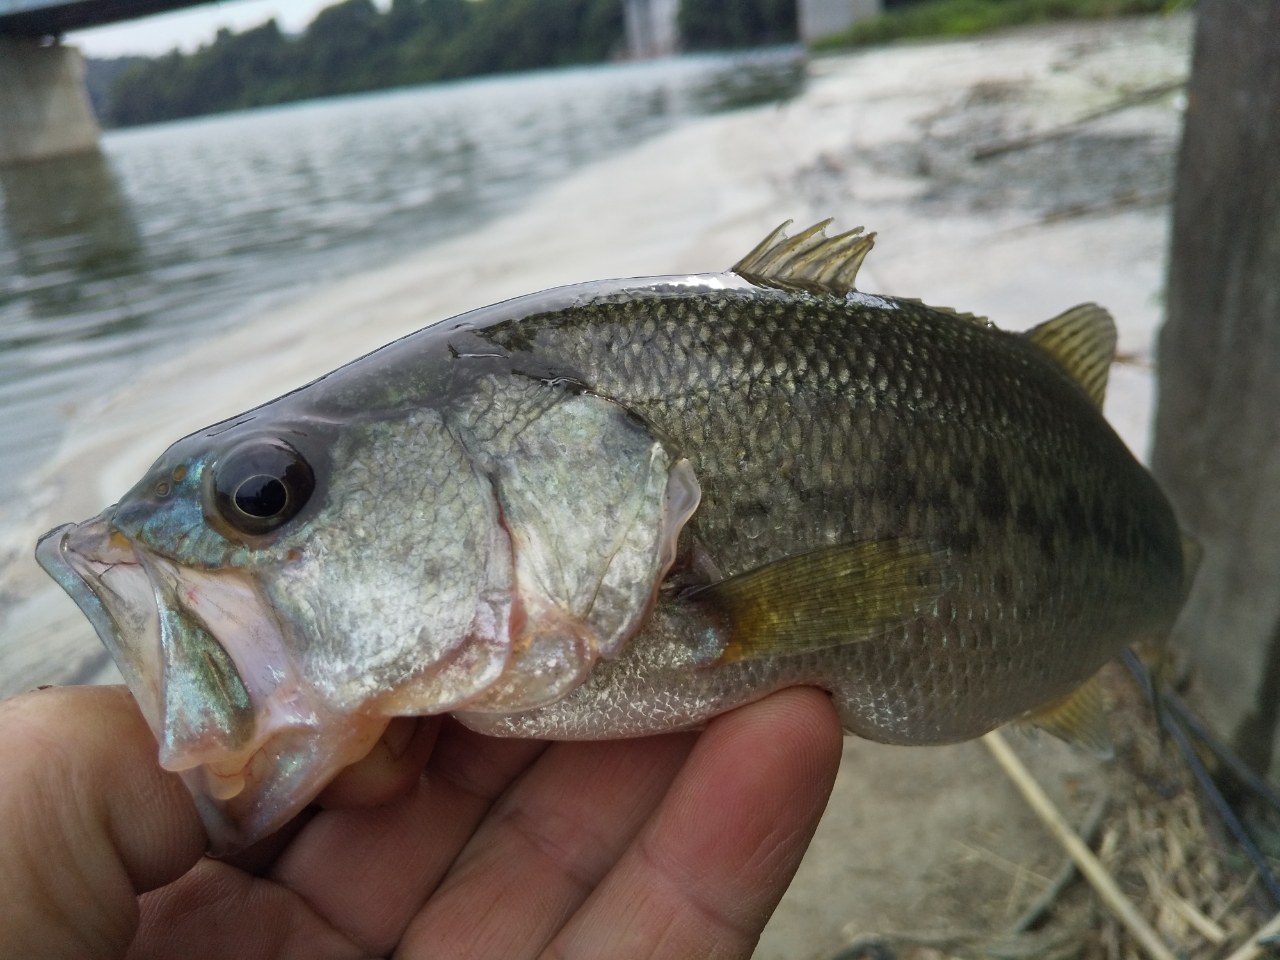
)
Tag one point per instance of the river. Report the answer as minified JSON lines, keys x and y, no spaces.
{"x":174,"y":232}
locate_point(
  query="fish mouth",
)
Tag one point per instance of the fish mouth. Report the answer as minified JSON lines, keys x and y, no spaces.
{"x":210,"y":668}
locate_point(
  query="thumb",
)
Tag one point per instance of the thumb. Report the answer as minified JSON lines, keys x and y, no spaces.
{"x":88,"y":820}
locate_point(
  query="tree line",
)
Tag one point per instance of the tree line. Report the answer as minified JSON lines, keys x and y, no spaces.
{"x":352,"y":47}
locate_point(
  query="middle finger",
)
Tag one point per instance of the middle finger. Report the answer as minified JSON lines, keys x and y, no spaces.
{"x":368,"y":871}
{"x":543,"y":848}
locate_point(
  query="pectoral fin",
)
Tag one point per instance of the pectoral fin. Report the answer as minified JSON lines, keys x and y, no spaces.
{"x":1078,"y":718}
{"x":839,"y":595}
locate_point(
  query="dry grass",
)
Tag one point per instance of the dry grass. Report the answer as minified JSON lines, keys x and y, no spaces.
{"x":1167,"y":850}
{"x":1161,"y":843}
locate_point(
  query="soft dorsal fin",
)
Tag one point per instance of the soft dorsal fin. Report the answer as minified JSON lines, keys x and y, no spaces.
{"x":808,"y":261}
{"x":1079,"y":719}
{"x":826,"y":598}
{"x":971,"y":317}
{"x":1083,"y":342}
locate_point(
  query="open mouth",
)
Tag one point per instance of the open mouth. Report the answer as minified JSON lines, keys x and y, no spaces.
{"x":102,"y":574}
{"x":210,"y":668}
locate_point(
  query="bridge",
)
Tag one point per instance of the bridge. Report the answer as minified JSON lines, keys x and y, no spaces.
{"x":51,"y":18}
{"x":44,"y":107}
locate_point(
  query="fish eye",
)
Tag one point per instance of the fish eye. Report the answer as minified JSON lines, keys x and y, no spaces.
{"x":262,"y":485}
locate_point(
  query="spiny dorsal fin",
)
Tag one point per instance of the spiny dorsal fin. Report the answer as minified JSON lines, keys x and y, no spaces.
{"x":829,"y":597}
{"x":1083,"y":342}
{"x":1078,"y":718}
{"x":808,"y":261}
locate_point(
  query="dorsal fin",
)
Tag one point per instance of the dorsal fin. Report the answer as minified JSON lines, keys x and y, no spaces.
{"x":1078,"y":718}
{"x":808,"y":261}
{"x":971,"y":317}
{"x":1083,"y":342}
{"x":959,"y":315}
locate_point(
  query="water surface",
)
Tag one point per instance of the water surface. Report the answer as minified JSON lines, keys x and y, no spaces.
{"x":174,"y":232}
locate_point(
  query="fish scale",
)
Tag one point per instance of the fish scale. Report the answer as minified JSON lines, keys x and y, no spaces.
{"x":863,"y":422}
{"x":623,"y":507}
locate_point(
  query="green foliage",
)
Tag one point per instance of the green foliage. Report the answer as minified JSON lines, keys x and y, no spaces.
{"x":236,"y":70}
{"x":524,"y":34}
{"x":351,"y":46}
{"x":934,"y":18}
{"x":100,"y":74}
{"x":719,"y":24}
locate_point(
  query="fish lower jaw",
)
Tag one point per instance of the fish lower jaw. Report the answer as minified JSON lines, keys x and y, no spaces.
{"x":243,"y":796}
{"x":224,"y":785}
{"x":222,"y":778}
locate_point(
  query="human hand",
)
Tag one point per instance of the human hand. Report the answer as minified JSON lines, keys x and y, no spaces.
{"x":671,"y":846}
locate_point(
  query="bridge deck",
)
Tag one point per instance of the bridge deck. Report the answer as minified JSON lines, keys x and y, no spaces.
{"x":39,"y":18}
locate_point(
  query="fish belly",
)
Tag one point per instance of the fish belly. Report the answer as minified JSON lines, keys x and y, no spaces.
{"x":919,"y":684}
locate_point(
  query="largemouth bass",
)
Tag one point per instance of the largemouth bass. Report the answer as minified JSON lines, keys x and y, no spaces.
{"x":622,"y":507}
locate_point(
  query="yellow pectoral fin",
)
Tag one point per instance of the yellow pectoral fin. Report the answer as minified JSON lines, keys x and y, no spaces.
{"x":1078,"y":718}
{"x":834,"y":596}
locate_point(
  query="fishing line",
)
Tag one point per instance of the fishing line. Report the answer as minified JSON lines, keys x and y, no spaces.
{"x":1229,"y":818}
{"x":1244,"y":773}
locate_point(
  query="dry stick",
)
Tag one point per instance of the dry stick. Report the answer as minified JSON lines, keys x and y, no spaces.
{"x":1183,"y":908}
{"x":1089,"y":865}
{"x":1251,"y":948}
{"x":1137,"y":98}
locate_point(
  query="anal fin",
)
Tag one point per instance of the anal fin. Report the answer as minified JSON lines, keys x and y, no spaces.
{"x":1079,"y":719}
{"x":826,"y":598}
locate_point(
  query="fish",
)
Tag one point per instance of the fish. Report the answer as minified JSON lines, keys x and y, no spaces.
{"x":620,"y":508}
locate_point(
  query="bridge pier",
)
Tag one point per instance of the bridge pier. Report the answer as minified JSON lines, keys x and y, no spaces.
{"x":44,"y":106}
{"x":651,"y":28}
{"x":822,"y":18}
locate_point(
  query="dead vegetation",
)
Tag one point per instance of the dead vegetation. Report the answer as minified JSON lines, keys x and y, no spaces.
{"x":1160,"y":842}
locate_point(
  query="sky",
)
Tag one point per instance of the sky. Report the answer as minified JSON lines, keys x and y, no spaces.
{"x":190,"y":27}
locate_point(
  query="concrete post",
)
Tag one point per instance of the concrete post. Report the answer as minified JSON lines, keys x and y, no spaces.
{"x":1217,"y":449}
{"x":821,"y":18}
{"x":651,"y":26}
{"x":44,"y":107}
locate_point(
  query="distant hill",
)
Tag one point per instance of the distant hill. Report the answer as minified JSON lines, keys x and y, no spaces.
{"x":99,"y":77}
{"x":352,"y":47}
